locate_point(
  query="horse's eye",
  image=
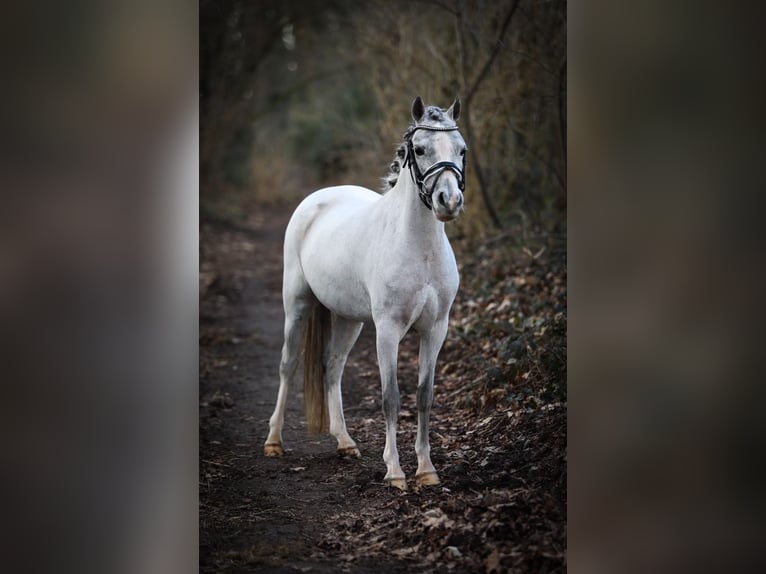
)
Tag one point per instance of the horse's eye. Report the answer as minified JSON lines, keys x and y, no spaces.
{"x":462,"y":152}
{"x":419,"y":150}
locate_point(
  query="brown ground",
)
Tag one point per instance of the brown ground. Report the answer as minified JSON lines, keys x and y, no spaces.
{"x":497,"y":434}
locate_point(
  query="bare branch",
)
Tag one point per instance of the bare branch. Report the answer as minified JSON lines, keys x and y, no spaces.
{"x":496,"y":50}
{"x":536,"y":61}
{"x":537,"y":157}
{"x":440,"y":4}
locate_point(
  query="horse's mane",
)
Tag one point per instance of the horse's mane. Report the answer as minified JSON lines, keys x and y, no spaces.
{"x":432,"y":116}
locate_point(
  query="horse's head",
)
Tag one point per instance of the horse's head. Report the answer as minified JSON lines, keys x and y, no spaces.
{"x":435,"y":155}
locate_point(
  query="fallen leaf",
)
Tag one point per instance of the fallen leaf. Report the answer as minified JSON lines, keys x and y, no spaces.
{"x":493,"y":561}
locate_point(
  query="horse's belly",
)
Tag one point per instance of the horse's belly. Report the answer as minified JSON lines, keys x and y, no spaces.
{"x":334,"y":274}
{"x":342,"y":294}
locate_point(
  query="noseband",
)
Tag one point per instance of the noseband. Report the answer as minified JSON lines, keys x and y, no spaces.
{"x":435,"y":171}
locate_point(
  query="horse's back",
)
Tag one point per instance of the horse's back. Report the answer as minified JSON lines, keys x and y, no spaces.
{"x":328,"y":206}
{"x":340,"y":194}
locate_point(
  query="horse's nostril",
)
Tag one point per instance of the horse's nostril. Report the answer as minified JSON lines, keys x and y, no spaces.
{"x":443,"y":199}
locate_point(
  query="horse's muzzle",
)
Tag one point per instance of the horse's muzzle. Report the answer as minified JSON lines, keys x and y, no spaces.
{"x":447,"y":204}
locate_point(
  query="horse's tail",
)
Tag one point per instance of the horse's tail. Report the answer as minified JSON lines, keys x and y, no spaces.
{"x":315,"y":340}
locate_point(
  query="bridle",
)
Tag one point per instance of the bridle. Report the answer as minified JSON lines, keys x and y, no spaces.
{"x":435,"y":171}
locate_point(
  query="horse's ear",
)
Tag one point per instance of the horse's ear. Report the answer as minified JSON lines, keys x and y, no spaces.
{"x":454,"y":110}
{"x":418,"y":109}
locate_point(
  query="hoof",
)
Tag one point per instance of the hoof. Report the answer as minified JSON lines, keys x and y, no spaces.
{"x":427,"y":479}
{"x":399,"y":483}
{"x":349,"y":452}
{"x":273,"y":449}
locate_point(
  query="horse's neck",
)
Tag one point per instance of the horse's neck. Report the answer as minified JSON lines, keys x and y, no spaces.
{"x":414,"y":223}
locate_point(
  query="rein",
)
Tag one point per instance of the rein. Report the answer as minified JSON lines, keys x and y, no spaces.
{"x":436,"y":169}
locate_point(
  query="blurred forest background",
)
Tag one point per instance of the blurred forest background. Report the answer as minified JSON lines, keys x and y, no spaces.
{"x":296,"y":95}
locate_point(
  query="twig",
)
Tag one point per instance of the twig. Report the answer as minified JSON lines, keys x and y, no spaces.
{"x":218,"y":464}
{"x":440,"y":5}
{"x":493,"y":55}
{"x":536,"y":61}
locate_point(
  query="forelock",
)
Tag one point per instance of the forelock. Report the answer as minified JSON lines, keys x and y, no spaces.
{"x":435,"y":116}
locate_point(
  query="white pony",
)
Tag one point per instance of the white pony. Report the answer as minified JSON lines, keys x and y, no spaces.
{"x":352,"y":255}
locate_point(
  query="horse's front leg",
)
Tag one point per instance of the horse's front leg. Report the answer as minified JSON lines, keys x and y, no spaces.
{"x":430,"y":343}
{"x":388,"y":338}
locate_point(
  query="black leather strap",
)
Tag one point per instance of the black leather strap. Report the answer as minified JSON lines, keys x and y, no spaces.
{"x":435,"y":170}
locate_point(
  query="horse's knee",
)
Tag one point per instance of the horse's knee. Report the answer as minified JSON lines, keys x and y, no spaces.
{"x":391,"y":402}
{"x":425,"y":396}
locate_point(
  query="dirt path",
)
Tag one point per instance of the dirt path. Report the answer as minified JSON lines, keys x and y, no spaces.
{"x":257,"y":513}
{"x":500,"y":454}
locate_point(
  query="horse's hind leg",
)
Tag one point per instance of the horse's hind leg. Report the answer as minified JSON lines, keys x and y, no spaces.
{"x":344,"y":335}
{"x":297,"y":310}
